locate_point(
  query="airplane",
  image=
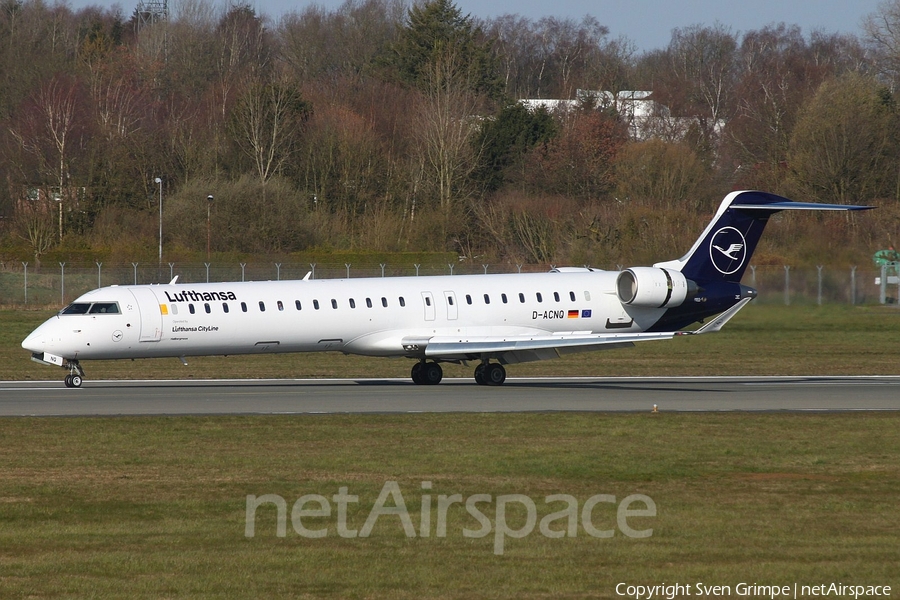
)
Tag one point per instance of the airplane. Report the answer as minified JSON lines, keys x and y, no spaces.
{"x":488,"y":320}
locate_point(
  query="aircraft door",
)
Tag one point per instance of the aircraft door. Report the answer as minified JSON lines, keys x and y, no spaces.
{"x":428,"y":300}
{"x":452,"y":308}
{"x":151,"y":314}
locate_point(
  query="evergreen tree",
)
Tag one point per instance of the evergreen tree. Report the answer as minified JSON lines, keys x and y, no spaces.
{"x":437,"y":33}
{"x":506,"y":140}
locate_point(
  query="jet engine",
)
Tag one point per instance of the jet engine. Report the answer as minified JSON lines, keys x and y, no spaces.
{"x":653,"y":287}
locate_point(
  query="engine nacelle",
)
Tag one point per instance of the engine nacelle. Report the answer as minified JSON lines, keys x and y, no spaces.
{"x":653,"y":287}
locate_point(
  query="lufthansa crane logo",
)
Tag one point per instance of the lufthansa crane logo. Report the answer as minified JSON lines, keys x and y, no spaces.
{"x":727,"y":250}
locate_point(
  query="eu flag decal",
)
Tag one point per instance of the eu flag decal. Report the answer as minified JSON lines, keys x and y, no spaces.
{"x":573,"y":314}
{"x":586,"y":313}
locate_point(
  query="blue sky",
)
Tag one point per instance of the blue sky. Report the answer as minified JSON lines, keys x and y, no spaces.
{"x":648,"y":23}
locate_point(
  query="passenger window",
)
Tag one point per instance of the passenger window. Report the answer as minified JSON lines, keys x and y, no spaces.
{"x":316,"y":304}
{"x":403,"y":301}
{"x":556,"y":296}
{"x":280,"y":305}
{"x":191,"y":308}
{"x":224,"y":307}
{"x":450,"y":300}
{"x":243,"y":307}
{"x":207,"y":308}
{"x":333,"y":303}
{"x":572,"y":296}
{"x":427,"y":301}
{"x":262,"y":306}
{"x":369,"y":302}
{"x":587,"y":295}
{"x":521,"y":297}
{"x":352,"y":303}
{"x":503,"y":298}
{"x":384,"y":301}
{"x":173,"y":308}
{"x":487,"y":299}
{"x":539,"y":297}
{"x":297,"y":304}
{"x":468,"y":299}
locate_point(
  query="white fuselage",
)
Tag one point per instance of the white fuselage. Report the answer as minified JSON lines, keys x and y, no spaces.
{"x":368,"y":316}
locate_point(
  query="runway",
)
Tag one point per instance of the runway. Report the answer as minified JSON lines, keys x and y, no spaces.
{"x":314,"y":396}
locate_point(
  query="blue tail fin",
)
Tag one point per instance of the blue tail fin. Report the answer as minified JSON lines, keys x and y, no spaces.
{"x":723,"y":250}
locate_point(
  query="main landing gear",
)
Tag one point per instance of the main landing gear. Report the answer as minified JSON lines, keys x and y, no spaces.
{"x":488,"y":373}
{"x":76,"y":374}
{"x":430,"y":373}
{"x":427,"y":373}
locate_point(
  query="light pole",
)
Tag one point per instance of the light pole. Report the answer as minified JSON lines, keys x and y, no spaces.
{"x":59,"y":200}
{"x":158,"y":181}
{"x":209,"y":201}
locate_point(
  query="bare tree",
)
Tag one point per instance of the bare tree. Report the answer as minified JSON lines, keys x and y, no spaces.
{"x":267,"y":122}
{"x":34,"y":223}
{"x":445,"y":125}
{"x":346,"y":41}
{"x":700,"y":85}
{"x":47,"y":127}
{"x":882,"y":31}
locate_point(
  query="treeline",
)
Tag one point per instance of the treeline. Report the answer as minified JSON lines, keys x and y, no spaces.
{"x":385,"y":126}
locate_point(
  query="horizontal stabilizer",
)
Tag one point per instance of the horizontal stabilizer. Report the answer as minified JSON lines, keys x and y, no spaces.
{"x":788,"y":205}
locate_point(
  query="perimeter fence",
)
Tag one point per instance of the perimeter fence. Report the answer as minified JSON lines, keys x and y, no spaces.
{"x":55,"y":285}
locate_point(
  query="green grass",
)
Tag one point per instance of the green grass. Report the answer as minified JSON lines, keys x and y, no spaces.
{"x":761,"y":340}
{"x":155,"y":507}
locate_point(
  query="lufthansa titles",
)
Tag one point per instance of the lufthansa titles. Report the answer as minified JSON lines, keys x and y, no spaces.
{"x":194,"y":296}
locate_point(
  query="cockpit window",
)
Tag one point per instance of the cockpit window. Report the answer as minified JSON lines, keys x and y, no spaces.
{"x":76,"y":308}
{"x":104,"y":308}
{"x":87,"y":308}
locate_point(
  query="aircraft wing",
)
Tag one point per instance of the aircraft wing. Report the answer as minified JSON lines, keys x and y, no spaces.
{"x":526,"y":348}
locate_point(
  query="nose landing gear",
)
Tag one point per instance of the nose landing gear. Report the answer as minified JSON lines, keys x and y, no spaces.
{"x":76,"y":374}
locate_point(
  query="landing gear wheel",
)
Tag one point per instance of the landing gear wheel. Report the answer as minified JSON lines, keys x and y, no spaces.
{"x":76,"y":374}
{"x":494,"y":374}
{"x":432,"y":373}
{"x":479,"y":374}
{"x":416,"y":373}
{"x":424,"y":373}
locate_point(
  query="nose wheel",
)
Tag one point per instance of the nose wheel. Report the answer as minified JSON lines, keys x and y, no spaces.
{"x":76,"y":374}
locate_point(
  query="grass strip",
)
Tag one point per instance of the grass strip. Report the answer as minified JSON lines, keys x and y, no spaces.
{"x":156,"y":507}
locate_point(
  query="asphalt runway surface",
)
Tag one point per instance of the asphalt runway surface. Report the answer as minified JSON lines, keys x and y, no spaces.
{"x":313,"y":396}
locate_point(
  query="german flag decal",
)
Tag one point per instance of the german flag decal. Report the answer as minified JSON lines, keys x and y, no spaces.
{"x":573,"y":314}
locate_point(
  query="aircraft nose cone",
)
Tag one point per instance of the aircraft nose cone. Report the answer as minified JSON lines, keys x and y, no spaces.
{"x":35,"y":342}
